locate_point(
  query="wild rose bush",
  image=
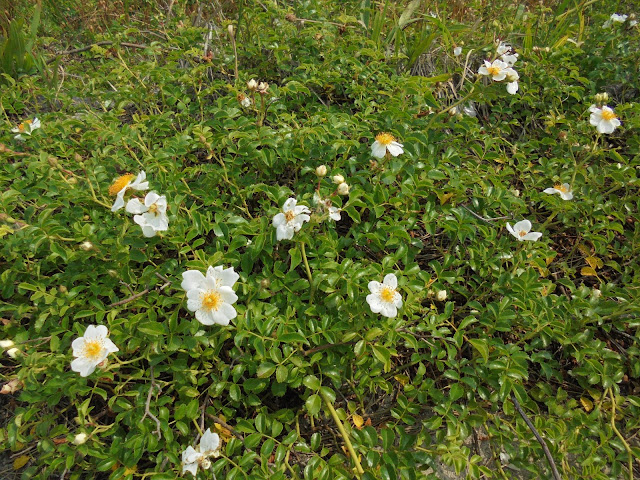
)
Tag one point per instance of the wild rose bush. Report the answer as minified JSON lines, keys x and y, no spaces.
{"x":342,"y":263}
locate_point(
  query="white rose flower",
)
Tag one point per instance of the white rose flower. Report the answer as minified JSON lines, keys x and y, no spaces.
{"x":522,"y":231}
{"x":384,"y":297}
{"x":603,"y":119}
{"x":27,"y":127}
{"x":290,"y":220}
{"x":211,"y":297}
{"x":385,"y":142}
{"x":6,"y":343}
{"x":321,"y":170}
{"x":564,"y":189}
{"x":512,"y":79}
{"x":91,"y":350}
{"x":496,"y":70}
{"x":192,"y":458}
{"x":122,"y":184}
{"x":615,"y":18}
{"x":150,"y":215}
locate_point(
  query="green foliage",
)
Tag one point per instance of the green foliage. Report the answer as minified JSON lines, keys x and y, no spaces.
{"x":553,"y":322}
{"x":16,"y":49}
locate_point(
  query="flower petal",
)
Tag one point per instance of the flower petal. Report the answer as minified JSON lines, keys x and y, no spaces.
{"x":191,"y":279}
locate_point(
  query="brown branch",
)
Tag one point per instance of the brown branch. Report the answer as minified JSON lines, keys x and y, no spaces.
{"x":96,"y":44}
{"x":147,"y":412}
{"x":547,"y":453}
{"x":142,"y":293}
{"x":224,"y":424}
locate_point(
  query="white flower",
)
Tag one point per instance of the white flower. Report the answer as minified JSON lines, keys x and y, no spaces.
{"x":244,"y":100}
{"x":385,"y":142}
{"x":603,"y":119}
{"x":512,"y":77}
{"x":441,"y":296}
{"x":522,"y":231}
{"x":615,"y":18}
{"x":192,"y":458}
{"x":384,"y":297}
{"x":211,"y":296}
{"x":507,"y":54}
{"x":496,"y":70}
{"x":470,"y":110}
{"x":122,"y":184}
{"x":457,"y":51}
{"x":91,"y":349}
{"x":564,"y":189}
{"x":290,"y":220}
{"x":80,"y":438}
{"x":6,"y":343}
{"x":252,"y":84}
{"x":334,"y":213}
{"x":27,"y":127}
{"x":150,"y":215}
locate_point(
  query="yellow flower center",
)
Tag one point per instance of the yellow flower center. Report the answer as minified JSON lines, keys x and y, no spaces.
{"x":608,"y":115}
{"x":288,"y":216}
{"x":212,"y":300}
{"x":493,"y":70}
{"x":387,"y":294}
{"x":522,"y":233}
{"x":385,"y":138}
{"x":561,"y":188}
{"x":120,"y":183}
{"x":92,"y":349}
{"x":153,"y":208}
{"x":21,"y":127}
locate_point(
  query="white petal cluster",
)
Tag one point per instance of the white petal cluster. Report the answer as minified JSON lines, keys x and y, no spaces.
{"x":615,"y":18}
{"x":290,"y":220}
{"x":91,"y":349}
{"x":563,"y":189}
{"x":327,"y":207}
{"x":192,"y":458}
{"x":603,"y":119}
{"x":507,"y":54}
{"x":384,"y":297}
{"x":26,"y":128}
{"x":385,"y":142}
{"x":522,"y":231}
{"x":211,"y":297}
{"x":150,"y":215}
{"x":499,"y":71}
{"x":124,"y":183}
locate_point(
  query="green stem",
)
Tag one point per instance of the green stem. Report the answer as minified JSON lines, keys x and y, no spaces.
{"x":617,"y":432}
{"x":306,"y":264}
{"x":343,"y":432}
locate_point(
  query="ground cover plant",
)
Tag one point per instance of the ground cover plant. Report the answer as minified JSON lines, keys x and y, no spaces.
{"x":319,"y":240}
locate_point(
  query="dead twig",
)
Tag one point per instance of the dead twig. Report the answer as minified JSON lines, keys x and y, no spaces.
{"x":225,"y":425}
{"x":147,"y":412}
{"x":96,"y":44}
{"x":143,"y":292}
{"x":488,"y":220}
{"x":547,"y":453}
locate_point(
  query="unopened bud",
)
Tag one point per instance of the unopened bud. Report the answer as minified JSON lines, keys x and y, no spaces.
{"x":6,"y":343}
{"x":265,"y":283}
{"x":231,"y":30}
{"x":441,"y":296}
{"x":80,"y":438}
{"x":602,"y":98}
{"x":72,"y":181}
{"x":263,"y":88}
{"x":63,"y":289}
{"x":13,"y":352}
{"x":343,"y":189}
{"x":321,"y":171}
{"x":86,"y":246}
{"x":252,"y":84}
{"x":337,"y":179}
{"x":53,"y":161}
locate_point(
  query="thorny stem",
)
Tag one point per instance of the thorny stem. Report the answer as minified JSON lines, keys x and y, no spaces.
{"x":617,"y":432}
{"x":343,"y":432}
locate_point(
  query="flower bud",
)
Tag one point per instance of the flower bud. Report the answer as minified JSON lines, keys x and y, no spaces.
{"x":265,"y":283}
{"x":252,"y":85}
{"x":63,"y":289}
{"x":441,"y":296}
{"x":343,"y":189}
{"x":337,"y":179}
{"x":86,"y":246}
{"x":13,"y":352}
{"x":80,"y":439}
{"x":263,"y":88}
{"x":457,"y":51}
{"x":231,"y":30}
{"x":602,"y":98}
{"x":321,"y":171}
{"x":6,"y":343}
